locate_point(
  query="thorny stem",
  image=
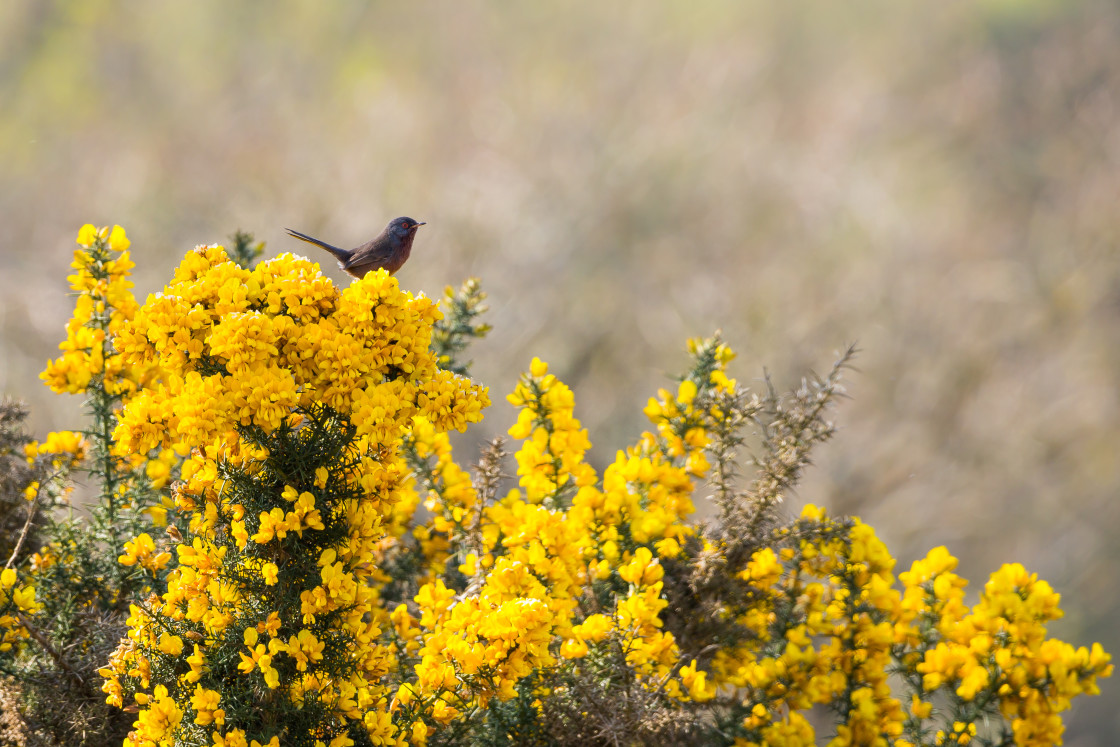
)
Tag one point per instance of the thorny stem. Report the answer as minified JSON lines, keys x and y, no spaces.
{"x":32,"y":507}
{"x":101,"y":402}
{"x":784,"y":460}
{"x":32,"y":512}
{"x":488,"y":477}
{"x":736,"y":410}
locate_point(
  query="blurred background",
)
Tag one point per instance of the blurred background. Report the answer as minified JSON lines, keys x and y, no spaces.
{"x":938,"y":182}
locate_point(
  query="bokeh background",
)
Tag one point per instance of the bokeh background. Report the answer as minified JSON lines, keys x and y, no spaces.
{"x":936,"y":181}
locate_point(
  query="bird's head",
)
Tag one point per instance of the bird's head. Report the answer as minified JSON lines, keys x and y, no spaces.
{"x":403,"y":228}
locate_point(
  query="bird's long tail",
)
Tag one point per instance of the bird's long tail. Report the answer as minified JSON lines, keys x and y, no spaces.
{"x":342,"y":255}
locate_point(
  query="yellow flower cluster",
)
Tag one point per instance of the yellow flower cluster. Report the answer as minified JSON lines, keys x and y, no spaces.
{"x":551,"y":457}
{"x":681,"y":423}
{"x":835,"y":594}
{"x":142,"y":551}
{"x":614,"y":531}
{"x":452,"y":502}
{"x":260,"y":370}
{"x":15,"y":599}
{"x":848,"y":620}
{"x":477,"y":647}
{"x":472,"y":647}
{"x":67,"y":448}
{"x":999,"y":648}
{"x":105,"y":304}
{"x":532,"y":556}
{"x":239,"y":348}
{"x":92,"y":363}
{"x":64,"y":450}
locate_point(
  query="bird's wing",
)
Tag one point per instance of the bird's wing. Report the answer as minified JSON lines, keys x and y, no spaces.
{"x":376,"y":252}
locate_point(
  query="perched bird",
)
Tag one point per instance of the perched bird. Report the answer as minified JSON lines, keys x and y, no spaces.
{"x":389,"y":250}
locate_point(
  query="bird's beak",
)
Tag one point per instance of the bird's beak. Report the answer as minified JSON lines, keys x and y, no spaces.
{"x":422,"y":223}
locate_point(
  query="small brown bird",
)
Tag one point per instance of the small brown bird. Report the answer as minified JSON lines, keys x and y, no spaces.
{"x":389,"y":250}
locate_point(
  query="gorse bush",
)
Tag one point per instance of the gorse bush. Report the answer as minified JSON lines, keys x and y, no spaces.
{"x":294,"y":399}
{"x":71,"y":595}
{"x":284,"y":550}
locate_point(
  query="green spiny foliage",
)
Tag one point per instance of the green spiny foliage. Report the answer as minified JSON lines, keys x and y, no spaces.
{"x":452,"y":334}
